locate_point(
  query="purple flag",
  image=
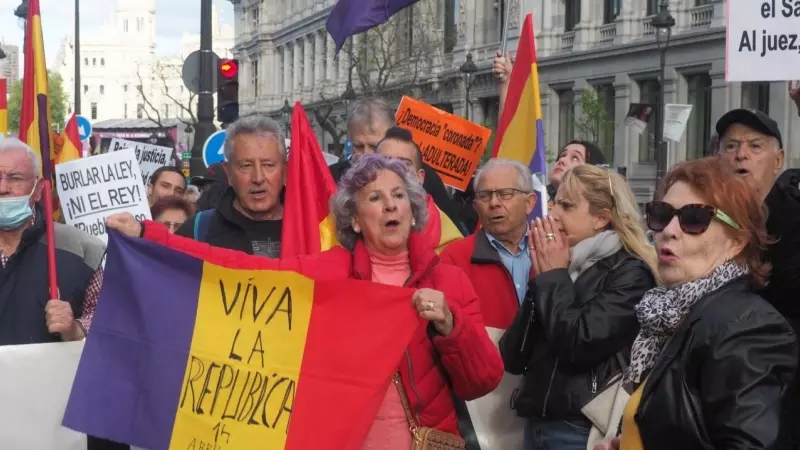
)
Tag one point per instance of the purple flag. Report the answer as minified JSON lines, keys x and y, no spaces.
{"x":350,"y":17}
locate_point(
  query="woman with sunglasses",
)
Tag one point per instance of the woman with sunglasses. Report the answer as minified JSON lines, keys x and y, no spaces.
{"x":572,"y":334}
{"x":712,"y":358}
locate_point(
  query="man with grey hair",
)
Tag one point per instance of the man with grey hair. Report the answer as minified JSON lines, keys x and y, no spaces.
{"x":497,"y":258}
{"x":249,"y":217}
{"x":27,"y":313}
{"x":368,"y":120}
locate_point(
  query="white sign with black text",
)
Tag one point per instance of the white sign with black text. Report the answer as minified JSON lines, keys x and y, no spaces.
{"x":91,"y":189}
{"x":763,"y":42}
{"x":150,"y":157}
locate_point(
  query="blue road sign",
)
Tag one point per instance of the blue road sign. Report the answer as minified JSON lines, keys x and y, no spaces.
{"x":84,"y":128}
{"x":213,"y":148}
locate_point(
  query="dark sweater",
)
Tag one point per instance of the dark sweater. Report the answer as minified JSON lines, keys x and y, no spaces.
{"x":23,"y":282}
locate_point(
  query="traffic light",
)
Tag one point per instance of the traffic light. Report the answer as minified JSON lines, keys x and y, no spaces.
{"x":228,"y":91}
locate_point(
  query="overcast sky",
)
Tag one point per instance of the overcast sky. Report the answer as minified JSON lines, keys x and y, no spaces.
{"x":173,"y":18}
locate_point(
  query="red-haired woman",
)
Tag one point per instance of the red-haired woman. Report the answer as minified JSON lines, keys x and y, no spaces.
{"x":712,"y":358}
{"x":172,"y":212}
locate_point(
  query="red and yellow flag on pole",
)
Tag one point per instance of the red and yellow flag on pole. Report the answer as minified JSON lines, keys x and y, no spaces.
{"x":3,"y":107}
{"x":307,"y":224}
{"x":71,"y":138}
{"x":34,"y":80}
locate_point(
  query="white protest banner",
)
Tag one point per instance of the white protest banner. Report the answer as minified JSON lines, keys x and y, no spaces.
{"x":496,"y":424}
{"x":150,"y":157}
{"x":37,"y":380}
{"x":91,"y":189}
{"x":763,"y":40}
{"x":675,"y":119}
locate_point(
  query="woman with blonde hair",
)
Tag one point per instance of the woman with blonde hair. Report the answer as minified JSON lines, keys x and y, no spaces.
{"x":572,"y":336}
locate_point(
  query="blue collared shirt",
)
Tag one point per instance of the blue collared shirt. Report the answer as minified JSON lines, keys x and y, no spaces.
{"x":519,"y":265}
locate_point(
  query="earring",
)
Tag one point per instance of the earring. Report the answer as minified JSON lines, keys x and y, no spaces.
{"x":357,"y":230}
{"x":413,"y":223}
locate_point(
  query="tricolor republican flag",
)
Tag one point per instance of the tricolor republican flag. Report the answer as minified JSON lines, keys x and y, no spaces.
{"x":520,"y":134}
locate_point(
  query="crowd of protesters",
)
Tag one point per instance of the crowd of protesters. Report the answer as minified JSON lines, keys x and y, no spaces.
{"x":690,"y":307}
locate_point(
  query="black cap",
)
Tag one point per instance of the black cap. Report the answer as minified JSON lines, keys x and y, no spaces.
{"x":214,"y":173}
{"x":752,"y":118}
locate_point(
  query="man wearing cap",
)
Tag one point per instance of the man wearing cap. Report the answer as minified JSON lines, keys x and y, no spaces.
{"x":752,"y":142}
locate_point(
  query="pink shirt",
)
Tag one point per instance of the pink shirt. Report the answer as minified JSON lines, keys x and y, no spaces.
{"x":390,"y":429}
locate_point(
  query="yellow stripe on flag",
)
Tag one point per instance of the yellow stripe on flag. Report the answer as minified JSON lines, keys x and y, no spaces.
{"x":245,"y":367}
{"x":522,"y":128}
{"x":3,"y":122}
{"x":30,"y":123}
{"x":327,"y":233}
{"x":450,"y":231}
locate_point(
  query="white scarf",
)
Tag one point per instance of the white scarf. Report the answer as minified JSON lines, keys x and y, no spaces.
{"x":588,"y":251}
{"x":662,"y":310}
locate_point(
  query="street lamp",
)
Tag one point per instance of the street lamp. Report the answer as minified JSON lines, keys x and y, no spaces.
{"x":468,"y":69}
{"x":286,"y":111}
{"x":349,"y":94}
{"x":663,"y":23}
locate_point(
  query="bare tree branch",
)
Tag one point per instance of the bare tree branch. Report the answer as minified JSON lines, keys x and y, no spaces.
{"x":147,"y":103}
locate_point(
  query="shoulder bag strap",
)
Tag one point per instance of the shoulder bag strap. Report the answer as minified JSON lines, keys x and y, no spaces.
{"x":412,"y":425}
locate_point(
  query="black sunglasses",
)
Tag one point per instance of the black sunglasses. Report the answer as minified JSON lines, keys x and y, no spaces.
{"x":693,"y":219}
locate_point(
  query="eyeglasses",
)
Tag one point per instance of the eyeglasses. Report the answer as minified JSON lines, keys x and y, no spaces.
{"x":173,"y":226}
{"x":694,"y":219}
{"x":502,"y":194}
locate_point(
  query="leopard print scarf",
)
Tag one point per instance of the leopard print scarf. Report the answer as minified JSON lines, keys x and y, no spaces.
{"x":661,"y":310}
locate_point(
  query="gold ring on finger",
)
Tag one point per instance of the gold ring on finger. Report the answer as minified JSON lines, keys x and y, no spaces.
{"x":429,"y":306}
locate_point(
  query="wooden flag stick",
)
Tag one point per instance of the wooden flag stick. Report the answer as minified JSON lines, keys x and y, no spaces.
{"x":47,"y":186}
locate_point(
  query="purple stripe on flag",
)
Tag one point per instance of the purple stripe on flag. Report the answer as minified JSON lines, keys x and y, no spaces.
{"x":127,"y":387}
{"x":538,"y":165}
{"x":350,"y":17}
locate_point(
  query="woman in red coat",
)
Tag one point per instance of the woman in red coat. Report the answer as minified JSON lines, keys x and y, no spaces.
{"x":380,"y":208}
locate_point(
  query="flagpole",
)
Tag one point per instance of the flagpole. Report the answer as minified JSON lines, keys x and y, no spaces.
{"x":47,"y":187}
{"x":505,"y":27}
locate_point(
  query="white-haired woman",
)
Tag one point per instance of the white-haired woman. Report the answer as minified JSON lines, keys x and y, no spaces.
{"x":380,"y":208}
{"x":576,"y":326}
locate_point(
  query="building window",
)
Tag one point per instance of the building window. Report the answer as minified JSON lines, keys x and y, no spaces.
{"x":139,"y":24}
{"x":85,"y":88}
{"x":254,"y":78}
{"x":102,"y":89}
{"x":94,"y":111}
{"x":139,"y":111}
{"x":652,"y":7}
{"x":126,"y":111}
{"x":572,"y":16}
{"x":702,"y":2}
{"x":94,"y":61}
{"x":605,"y":94}
{"x":756,"y":96}
{"x":86,"y":62}
{"x":648,"y":94}
{"x":450,"y":26}
{"x":139,"y":88}
{"x":125,"y":88}
{"x":611,"y":10}
{"x":255,"y":16}
{"x":102,"y":61}
{"x":125,"y":26}
{"x":566,"y":116}
{"x":166,"y":111}
{"x":698,"y":129}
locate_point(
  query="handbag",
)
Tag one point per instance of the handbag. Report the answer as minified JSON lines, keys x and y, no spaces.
{"x":426,"y":438}
{"x":606,"y":408}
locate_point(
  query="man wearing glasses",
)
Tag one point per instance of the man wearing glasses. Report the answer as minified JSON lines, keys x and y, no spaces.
{"x":496,"y":257}
{"x":752,"y":142}
{"x":27,"y":313}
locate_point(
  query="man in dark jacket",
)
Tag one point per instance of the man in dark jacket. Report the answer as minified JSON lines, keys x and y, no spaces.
{"x":27,"y":313}
{"x":368,"y":120}
{"x":753,"y":143}
{"x":249,"y":216}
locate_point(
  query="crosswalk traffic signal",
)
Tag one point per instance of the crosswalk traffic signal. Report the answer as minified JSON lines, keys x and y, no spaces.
{"x":228,"y":91}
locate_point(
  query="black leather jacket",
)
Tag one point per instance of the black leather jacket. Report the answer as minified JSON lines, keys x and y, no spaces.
{"x":719,"y":381}
{"x":566,"y":335}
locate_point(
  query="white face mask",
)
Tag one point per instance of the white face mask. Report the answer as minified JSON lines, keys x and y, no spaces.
{"x":15,"y":211}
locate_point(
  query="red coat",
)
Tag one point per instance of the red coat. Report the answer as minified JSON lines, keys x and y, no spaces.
{"x":498,"y":297}
{"x":472,"y":362}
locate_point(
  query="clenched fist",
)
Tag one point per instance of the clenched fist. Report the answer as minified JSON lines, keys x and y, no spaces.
{"x":58,"y":314}
{"x":125,"y":223}
{"x":431,"y":305}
